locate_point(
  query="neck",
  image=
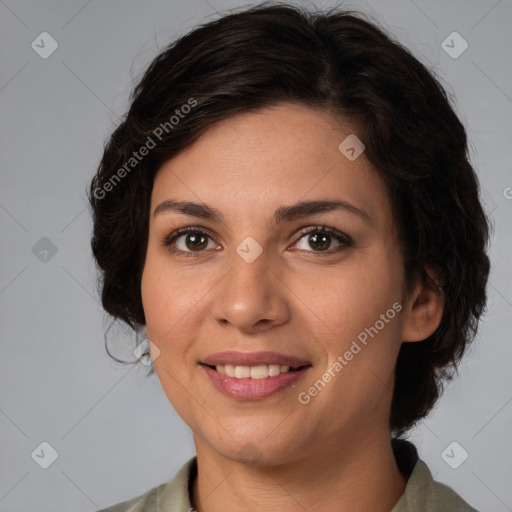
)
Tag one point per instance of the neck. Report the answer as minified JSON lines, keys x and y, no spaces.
{"x":352,"y":476}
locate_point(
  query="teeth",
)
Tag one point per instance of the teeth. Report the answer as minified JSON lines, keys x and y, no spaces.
{"x":261,"y":371}
{"x":228,"y":369}
{"x":242,"y":372}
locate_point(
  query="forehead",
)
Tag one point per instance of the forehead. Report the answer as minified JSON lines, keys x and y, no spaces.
{"x":258,"y":161}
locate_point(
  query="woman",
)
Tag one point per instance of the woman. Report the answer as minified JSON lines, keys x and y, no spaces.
{"x":289,"y":213}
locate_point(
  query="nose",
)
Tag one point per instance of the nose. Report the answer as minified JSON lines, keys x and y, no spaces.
{"x":251,"y":297}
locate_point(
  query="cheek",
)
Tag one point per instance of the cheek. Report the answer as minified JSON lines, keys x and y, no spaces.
{"x":166,"y":306}
{"x":359,"y":348}
{"x":355,"y":315}
{"x":349,"y":298}
{"x":174,"y":306}
{"x":166,"y":296}
{"x":156,"y":301}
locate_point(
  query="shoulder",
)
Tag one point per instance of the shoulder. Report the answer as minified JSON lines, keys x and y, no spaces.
{"x":425,"y":494}
{"x":172,"y":495}
{"x":445,"y":498}
{"x":141,"y":503}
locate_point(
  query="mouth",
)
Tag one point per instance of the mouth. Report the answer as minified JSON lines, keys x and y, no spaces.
{"x":261,"y":371}
{"x":251,"y":376}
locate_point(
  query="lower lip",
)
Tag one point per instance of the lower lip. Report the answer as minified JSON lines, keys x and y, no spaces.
{"x":252,"y":389}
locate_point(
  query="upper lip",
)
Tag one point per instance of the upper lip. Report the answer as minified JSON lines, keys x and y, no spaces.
{"x":254,"y":359}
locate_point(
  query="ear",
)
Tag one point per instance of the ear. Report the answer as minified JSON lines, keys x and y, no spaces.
{"x":423,"y":312}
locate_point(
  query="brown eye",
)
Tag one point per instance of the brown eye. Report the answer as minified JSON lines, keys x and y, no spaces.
{"x":195,"y":241}
{"x":319,"y":241}
{"x":188,"y":240}
{"x":320,"y":238}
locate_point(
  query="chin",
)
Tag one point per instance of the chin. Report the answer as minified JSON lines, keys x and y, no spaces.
{"x":257,"y":450}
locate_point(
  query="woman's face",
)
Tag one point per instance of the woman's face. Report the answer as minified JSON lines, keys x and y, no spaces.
{"x":257,"y":275}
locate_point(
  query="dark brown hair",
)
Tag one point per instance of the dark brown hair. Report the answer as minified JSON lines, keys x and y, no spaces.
{"x":339,"y":62}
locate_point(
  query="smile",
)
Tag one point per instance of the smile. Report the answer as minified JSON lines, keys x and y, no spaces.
{"x":243,"y":386}
{"x":261,"y":371}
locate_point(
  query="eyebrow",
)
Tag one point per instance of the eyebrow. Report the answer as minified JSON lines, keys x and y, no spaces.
{"x":282,"y":214}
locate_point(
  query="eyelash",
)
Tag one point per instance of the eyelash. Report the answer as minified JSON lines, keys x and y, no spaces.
{"x":345,"y":241}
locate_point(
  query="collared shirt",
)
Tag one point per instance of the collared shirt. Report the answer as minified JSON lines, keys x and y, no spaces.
{"x":422,"y":493}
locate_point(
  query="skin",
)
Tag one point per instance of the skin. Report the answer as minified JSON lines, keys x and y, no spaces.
{"x":333,"y":453}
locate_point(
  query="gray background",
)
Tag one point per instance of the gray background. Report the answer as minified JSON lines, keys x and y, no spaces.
{"x":115,"y":433}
